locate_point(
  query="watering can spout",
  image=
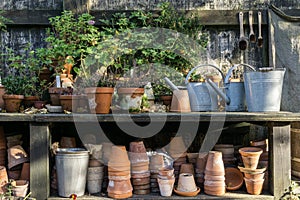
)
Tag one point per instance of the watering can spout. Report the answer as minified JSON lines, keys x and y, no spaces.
{"x":218,"y":91}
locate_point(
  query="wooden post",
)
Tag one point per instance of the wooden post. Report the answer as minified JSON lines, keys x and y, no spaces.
{"x":39,"y":160}
{"x":280,"y":158}
{"x":77,"y":6}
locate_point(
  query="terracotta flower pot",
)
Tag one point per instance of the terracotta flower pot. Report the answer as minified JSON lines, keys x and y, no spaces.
{"x":215,"y":165}
{"x":29,"y":101}
{"x":99,"y":99}
{"x":3,"y":179}
{"x":25,"y":172}
{"x":54,"y":95}
{"x":2,"y":92}
{"x":19,"y":188}
{"x":186,"y":183}
{"x":140,"y":167}
{"x":156,"y":162}
{"x":67,"y":142}
{"x":118,"y":155}
{"x":137,"y":153}
{"x":233,"y":178}
{"x":254,"y":176}
{"x":166,"y":99}
{"x":201,"y":162}
{"x":12,"y":102}
{"x":119,"y":187}
{"x":166,"y":171}
{"x":263,"y":144}
{"x":130,"y":98}
{"x":254,"y":186}
{"x":140,"y":181}
{"x":250,"y":156}
{"x":177,"y":146}
{"x":166,"y":186}
{"x":187,"y":168}
{"x":39,"y":104}
{"x":216,"y":188}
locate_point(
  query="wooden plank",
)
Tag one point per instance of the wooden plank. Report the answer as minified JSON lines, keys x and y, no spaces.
{"x":16,"y":117}
{"x":280,"y":160}
{"x":77,"y":6}
{"x":208,"y":17}
{"x":39,"y":160}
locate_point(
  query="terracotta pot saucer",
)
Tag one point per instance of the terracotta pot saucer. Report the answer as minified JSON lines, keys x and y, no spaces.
{"x":251,"y":171}
{"x":187,"y":194}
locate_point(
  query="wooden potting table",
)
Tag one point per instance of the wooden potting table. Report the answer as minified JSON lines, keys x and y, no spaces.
{"x":279,"y":144}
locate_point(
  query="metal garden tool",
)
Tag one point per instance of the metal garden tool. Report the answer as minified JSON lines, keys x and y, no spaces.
{"x":243,"y":42}
{"x":252,"y":36}
{"x":260,"y":38}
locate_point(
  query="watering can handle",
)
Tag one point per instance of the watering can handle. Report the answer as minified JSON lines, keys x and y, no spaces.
{"x":210,"y":65}
{"x":234,"y":67}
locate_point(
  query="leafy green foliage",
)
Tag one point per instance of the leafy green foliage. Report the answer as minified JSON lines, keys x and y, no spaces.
{"x":3,"y":21}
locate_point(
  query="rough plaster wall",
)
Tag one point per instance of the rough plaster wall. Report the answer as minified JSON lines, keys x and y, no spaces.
{"x":31,"y":4}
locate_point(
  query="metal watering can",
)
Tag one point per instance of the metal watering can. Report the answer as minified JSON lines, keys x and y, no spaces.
{"x":201,"y":94}
{"x":234,"y":95}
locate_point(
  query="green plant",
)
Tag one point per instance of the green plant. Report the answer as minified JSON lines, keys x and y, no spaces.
{"x":130,"y":54}
{"x":21,"y":75}
{"x":3,"y":21}
{"x":71,"y":36}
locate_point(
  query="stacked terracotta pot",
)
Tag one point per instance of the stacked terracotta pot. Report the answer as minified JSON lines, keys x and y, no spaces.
{"x":177,"y":151}
{"x":156,"y":162}
{"x":263,"y":159}
{"x":254,"y":177}
{"x":140,"y":173}
{"x":214,"y":179}
{"x":95,"y":172}
{"x":166,"y":180}
{"x":119,"y":185}
{"x":227,"y":153}
{"x":200,"y":168}
{"x":2,"y":147}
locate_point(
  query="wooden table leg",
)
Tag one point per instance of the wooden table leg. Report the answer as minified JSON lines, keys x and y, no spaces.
{"x":280,"y":158}
{"x":39,"y":160}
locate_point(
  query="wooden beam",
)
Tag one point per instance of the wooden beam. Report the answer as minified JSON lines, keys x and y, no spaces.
{"x":280,"y":158}
{"x":39,"y":160}
{"x":77,"y":6}
{"x":208,"y":17}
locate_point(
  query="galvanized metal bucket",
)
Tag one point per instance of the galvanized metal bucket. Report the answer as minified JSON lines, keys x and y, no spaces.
{"x":235,"y":91}
{"x":71,"y":167}
{"x":202,"y":96}
{"x":263,"y":90}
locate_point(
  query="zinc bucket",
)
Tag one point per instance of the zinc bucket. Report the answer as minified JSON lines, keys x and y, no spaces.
{"x":71,"y":165}
{"x":263,"y":90}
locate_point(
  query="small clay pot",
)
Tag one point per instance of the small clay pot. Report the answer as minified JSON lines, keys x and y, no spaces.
{"x":263,"y":144}
{"x":215,"y":165}
{"x":139,"y":167}
{"x":140,"y":175}
{"x":254,"y":176}
{"x":250,"y":156}
{"x":186,"y":183}
{"x":254,"y":186}
{"x":166,"y":186}
{"x":20,"y":188}
{"x":164,"y":171}
{"x":120,"y":196}
{"x":118,"y":154}
{"x":177,"y":146}
{"x":201,"y":162}
{"x":233,"y":178}
{"x":156,"y":161}
{"x":187,"y":168}
{"x":140,"y":181}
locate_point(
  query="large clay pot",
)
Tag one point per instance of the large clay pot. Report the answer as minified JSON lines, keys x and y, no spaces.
{"x":94,"y":179}
{"x":119,"y":187}
{"x":156,"y":162}
{"x":137,"y":153}
{"x":12,"y":102}
{"x":250,"y":156}
{"x":99,"y":99}
{"x":216,"y":188}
